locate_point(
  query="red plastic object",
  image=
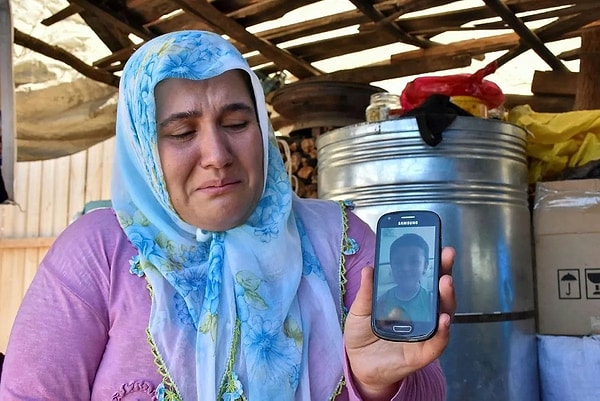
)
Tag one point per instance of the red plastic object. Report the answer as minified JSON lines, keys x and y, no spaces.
{"x":474,"y":85}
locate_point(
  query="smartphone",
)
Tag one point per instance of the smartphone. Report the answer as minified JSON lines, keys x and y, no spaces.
{"x":407,"y":269}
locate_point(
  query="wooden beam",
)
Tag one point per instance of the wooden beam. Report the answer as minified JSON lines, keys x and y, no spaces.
{"x":471,"y":47}
{"x":112,"y":20}
{"x":438,"y":23}
{"x":119,"y":58}
{"x":278,"y":34}
{"x":65,"y":13}
{"x":390,"y":27}
{"x":347,"y":44}
{"x":205,"y":11}
{"x":245,"y":12}
{"x":384,"y":71}
{"x":55,"y":52}
{"x":328,"y":48}
{"x":553,"y":13}
{"x":588,"y":84}
{"x":545,"y":83}
{"x":313,"y":26}
{"x":256,"y":12}
{"x":526,"y":35}
{"x":563,"y":28}
{"x":511,"y":54}
{"x":570,"y":55}
{"x":150,"y":10}
{"x":567,"y":24}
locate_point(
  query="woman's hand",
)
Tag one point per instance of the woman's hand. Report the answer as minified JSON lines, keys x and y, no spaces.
{"x":378,"y":366}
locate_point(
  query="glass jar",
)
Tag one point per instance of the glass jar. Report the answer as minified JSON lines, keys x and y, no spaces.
{"x":380,"y":105}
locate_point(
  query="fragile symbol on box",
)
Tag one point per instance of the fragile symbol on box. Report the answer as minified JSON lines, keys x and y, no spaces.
{"x":592,"y":283}
{"x":568,"y":284}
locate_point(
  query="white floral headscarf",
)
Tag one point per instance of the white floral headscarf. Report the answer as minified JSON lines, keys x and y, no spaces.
{"x":233,"y":313}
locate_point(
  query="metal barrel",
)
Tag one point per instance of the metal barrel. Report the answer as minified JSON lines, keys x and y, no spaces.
{"x":476,"y":180}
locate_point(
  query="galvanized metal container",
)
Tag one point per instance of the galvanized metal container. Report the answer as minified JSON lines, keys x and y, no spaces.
{"x":476,"y":180}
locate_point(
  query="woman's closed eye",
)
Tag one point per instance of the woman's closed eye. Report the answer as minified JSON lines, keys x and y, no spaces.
{"x":178,"y":134}
{"x":235,"y":125}
{"x":182,"y":136}
{"x":237,"y":117}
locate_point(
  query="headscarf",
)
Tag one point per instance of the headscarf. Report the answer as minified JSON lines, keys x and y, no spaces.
{"x":233,"y":312}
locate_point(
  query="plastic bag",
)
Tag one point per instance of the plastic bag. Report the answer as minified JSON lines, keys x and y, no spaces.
{"x":558,"y":141}
{"x":454,"y":85}
{"x":569,"y":368}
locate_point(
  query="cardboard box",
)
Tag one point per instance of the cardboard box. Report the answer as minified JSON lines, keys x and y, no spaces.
{"x":566,"y":227}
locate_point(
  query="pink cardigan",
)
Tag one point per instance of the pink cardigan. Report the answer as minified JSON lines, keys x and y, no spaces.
{"x":80,"y":332}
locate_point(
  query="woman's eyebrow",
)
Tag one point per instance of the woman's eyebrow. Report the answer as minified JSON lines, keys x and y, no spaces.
{"x":240,"y":106}
{"x":179,"y":116}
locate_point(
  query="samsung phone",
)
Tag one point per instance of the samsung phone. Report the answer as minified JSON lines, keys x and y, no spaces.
{"x":407,"y":270}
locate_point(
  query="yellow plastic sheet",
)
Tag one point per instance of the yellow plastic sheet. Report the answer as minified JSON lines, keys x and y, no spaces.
{"x":557,"y":141}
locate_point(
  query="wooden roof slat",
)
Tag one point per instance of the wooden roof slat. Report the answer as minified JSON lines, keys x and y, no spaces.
{"x":553,"y":31}
{"x":313,"y":27}
{"x":569,"y":55}
{"x":111,"y":37}
{"x":245,"y":12}
{"x":283,"y":33}
{"x":550,"y":14}
{"x":304,"y":28}
{"x":150,"y":10}
{"x":388,"y":26}
{"x":437,"y":23}
{"x":118,"y":57}
{"x":569,"y":23}
{"x":309,"y":55}
{"x":324,"y":49}
{"x":343,"y":20}
{"x":186,"y":21}
{"x":111,"y":20}
{"x":383,"y":71}
{"x":203,"y":10}
{"x":377,"y":23}
{"x":526,"y":35}
{"x":178,"y":22}
{"x":470,"y":47}
{"x":403,"y":7}
{"x":262,"y":11}
{"x":65,"y":13}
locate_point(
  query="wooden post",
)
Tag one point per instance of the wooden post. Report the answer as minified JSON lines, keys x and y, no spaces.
{"x":588,"y":82}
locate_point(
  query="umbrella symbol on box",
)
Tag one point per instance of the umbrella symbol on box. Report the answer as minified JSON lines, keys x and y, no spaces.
{"x":568,"y":278}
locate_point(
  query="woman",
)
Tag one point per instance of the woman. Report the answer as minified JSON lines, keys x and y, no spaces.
{"x":213,"y":281}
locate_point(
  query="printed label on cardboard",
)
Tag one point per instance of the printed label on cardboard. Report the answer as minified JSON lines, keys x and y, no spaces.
{"x":569,"y":284}
{"x":592,"y":281}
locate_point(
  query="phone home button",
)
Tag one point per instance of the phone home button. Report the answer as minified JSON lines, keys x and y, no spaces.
{"x":404,"y":329}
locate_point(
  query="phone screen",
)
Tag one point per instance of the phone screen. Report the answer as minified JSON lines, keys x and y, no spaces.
{"x":405,"y":293}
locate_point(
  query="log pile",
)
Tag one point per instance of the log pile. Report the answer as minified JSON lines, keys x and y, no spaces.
{"x":300,"y":158}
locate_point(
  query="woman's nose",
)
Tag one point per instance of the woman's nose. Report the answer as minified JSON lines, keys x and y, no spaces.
{"x":214,"y":148}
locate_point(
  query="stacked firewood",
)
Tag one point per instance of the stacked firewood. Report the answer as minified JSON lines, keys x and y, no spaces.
{"x":300,"y":156}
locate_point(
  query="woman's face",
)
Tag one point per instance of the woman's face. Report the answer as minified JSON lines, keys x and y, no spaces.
{"x":210,"y":148}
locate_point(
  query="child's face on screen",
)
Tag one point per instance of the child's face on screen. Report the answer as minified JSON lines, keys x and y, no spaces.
{"x":408,"y":265}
